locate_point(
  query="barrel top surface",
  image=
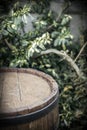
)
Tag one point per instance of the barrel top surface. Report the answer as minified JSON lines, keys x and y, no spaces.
{"x":24,"y":88}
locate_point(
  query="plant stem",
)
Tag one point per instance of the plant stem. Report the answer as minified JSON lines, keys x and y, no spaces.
{"x":11,"y":47}
{"x":66,"y":57}
{"x":66,"y":6}
{"x":80,"y":52}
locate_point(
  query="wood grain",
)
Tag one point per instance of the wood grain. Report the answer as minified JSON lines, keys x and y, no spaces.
{"x":23,"y":91}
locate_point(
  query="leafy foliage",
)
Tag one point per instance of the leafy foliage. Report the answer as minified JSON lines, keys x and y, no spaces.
{"x":19,"y":48}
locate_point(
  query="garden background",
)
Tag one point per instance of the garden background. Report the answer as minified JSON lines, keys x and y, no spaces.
{"x":50,"y":36}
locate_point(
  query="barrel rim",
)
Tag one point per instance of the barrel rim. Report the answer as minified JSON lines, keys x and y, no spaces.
{"x":27,"y":118}
{"x":29,"y":109}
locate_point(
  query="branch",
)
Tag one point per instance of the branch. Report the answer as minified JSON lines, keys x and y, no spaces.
{"x":80,"y":52}
{"x":66,"y":6}
{"x":66,"y":57}
{"x":11,"y":47}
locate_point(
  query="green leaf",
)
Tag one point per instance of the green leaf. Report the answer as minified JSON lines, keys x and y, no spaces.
{"x":14,"y":26}
{"x":37,"y":50}
{"x":66,"y":19}
{"x":17,"y":20}
{"x":42,"y":47}
{"x":63,"y":44}
{"x":24,"y":43}
{"x":54,"y":34}
{"x":5,"y":33}
{"x":24,"y":19}
{"x":55,"y":23}
{"x":10,"y":30}
{"x":56,"y":42}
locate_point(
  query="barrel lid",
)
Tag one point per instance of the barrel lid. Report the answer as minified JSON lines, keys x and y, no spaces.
{"x":25,"y":90}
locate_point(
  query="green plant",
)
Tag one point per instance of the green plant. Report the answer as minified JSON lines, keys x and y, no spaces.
{"x":21,"y":49}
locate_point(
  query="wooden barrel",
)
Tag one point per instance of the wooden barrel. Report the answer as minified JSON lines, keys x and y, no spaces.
{"x":28,"y":100}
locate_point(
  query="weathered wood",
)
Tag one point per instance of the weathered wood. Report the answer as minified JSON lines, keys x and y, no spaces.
{"x":26,"y":91}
